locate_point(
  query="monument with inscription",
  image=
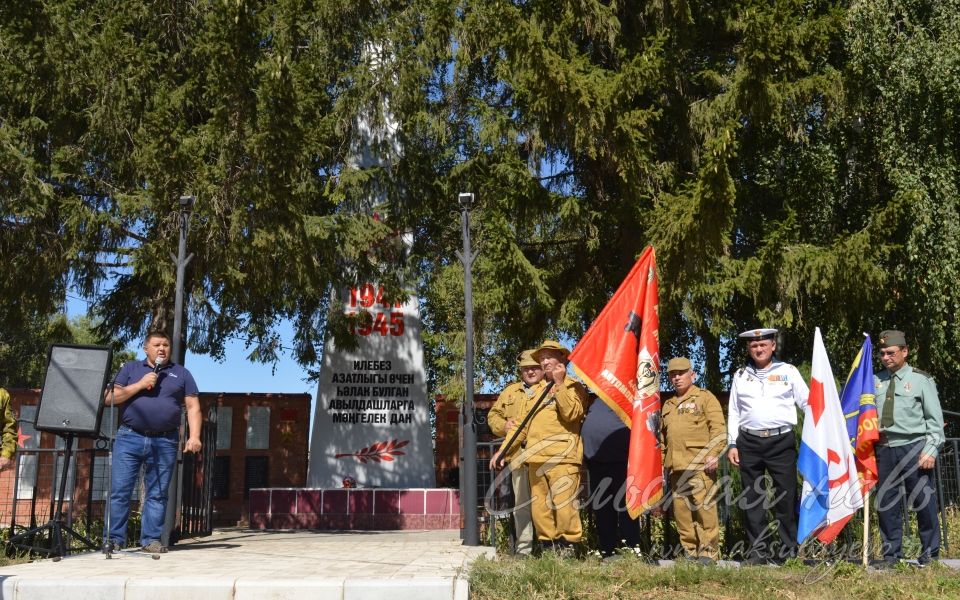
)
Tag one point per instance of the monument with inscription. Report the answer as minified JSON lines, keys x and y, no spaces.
{"x":372,"y":423}
{"x":371,"y":463}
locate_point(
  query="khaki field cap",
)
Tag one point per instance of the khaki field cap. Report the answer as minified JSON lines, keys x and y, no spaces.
{"x":678,"y":364}
{"x":762,"y":333}
{"x":892,"y":337}
{"x":526,"y":359}
{"x":551,"y":345}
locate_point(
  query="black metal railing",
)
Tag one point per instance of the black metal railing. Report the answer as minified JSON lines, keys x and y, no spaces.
{"x":196,"y":498}
{"x":28,"y":493}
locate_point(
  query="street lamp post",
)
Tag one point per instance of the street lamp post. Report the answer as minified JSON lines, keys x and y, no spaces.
{"x":468,"y":425}
{"x":179,"y":354}
{"x":182,"y":260}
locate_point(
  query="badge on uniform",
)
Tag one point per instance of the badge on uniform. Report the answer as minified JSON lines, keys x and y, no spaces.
{"x":777,"y":378}
{"x":906,"y":387}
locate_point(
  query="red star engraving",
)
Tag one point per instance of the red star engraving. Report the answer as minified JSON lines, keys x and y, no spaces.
{"x":22,"y":438}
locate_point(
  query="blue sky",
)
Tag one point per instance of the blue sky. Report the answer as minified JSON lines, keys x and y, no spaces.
{"x":235,"y":373}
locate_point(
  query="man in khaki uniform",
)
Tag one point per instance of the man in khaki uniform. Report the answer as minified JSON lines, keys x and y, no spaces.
{"x":503,"y":418}
{"x":553,"y":450}
{"x":9,"y":431}
{"x":694,"y":433}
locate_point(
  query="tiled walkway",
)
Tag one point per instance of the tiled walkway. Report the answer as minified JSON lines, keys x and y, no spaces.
{"x":243,"y":565}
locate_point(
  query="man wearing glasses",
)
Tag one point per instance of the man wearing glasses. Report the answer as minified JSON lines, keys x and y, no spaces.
{"x":911,"y":432}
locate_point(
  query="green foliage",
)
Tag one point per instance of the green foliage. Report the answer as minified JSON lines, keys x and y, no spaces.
{"x":23,"y":361}
{"x":794,"y":164}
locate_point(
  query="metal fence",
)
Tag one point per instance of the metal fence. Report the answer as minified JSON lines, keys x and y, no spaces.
{"x":196,"y":497}
{"x":30,"y":490}
{"x":498,"y":497}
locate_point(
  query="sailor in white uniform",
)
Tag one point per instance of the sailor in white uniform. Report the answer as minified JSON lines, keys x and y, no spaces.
{"x":762,"y":414}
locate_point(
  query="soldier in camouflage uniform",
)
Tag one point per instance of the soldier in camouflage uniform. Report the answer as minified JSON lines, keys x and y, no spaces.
{"x":9,"y":443}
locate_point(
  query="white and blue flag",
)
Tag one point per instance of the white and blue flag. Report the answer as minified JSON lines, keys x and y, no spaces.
{"x":831,"y":488}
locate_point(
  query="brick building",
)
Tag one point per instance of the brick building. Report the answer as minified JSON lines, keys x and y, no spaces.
{"x":446,"y":453}
{"x":261,"y":442}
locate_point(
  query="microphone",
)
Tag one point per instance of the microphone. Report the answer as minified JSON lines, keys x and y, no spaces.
{"x":157,"y":365}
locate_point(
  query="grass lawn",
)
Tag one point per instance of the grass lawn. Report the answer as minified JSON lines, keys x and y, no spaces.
{"x":549,"y":577}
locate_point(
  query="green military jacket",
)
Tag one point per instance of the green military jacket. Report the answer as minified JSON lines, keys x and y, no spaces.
{"x":9,"y":447}
{"x":916,"y":411}
{"x":693,"y":428}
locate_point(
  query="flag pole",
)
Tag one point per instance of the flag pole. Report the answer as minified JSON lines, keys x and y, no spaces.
{"x":866,"y":528}
{"x":502,"y":452}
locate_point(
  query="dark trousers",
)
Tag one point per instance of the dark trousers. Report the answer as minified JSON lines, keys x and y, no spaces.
{"x":615,"y":528}
{"x":777,"y":456}
{"x":898,"y":465}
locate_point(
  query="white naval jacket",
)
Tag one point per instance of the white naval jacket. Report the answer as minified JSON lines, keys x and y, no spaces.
{"x":765,"y":402}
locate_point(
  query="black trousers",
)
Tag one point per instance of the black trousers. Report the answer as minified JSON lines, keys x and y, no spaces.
{"x":777,"y":456}
{"x":615,"y":528}
{"x":895,"y":466}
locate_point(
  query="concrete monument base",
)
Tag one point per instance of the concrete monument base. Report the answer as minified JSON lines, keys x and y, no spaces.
{"x":380,"y":509}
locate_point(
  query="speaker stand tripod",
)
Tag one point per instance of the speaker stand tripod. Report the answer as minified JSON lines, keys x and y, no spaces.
{"x":59,"y":532}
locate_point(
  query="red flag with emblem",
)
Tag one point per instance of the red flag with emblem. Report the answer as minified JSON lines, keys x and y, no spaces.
{"x":619,"y":359}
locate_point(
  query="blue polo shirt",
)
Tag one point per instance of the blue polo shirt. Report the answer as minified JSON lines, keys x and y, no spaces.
{"x":157,"y":409}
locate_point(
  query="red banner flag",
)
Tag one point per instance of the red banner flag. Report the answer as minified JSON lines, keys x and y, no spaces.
{"x":619,"y":359}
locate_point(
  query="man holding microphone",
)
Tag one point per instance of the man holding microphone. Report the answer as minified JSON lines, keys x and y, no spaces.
{"x":150,"y":393}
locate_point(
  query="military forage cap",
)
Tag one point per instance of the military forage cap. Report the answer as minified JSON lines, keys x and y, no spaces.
{"x":678,"y":364}
{"x":550,"y":345}
{"x":526,"y":359}
{"x":759,"y":334}
{"x":892,"y":337}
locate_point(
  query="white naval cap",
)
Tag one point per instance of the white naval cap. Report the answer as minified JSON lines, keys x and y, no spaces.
{"x":764,"y":333}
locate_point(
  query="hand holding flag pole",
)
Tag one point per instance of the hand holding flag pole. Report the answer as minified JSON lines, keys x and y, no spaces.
{"x":498,"y":463}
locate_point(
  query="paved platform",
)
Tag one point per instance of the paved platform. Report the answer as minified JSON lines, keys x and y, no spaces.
{"x":247,"y":565}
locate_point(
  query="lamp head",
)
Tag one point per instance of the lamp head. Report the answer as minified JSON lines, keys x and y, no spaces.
{"x":465,"y":200}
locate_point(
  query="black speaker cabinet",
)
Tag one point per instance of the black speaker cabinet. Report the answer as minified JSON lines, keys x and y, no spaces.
{"x":72,"y":397}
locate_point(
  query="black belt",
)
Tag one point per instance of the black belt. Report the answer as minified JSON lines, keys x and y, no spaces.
{"x":151,"y":432}
{"x":765,"y":433}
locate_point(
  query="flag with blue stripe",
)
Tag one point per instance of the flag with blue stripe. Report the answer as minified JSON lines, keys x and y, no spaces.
{"x":831,"y":489}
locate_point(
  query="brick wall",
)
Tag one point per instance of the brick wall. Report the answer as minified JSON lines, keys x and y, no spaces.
{"x":446,"y":454}
{"x":282,"y":464}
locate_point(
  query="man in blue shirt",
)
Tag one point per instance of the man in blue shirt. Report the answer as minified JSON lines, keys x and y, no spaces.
{"x":150,"y":394}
